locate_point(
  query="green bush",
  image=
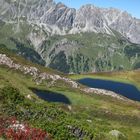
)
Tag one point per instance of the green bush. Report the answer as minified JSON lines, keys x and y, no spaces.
{"x":10,"y":94}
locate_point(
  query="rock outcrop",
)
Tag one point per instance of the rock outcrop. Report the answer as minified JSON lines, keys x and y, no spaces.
{"x":39,"y":77}
{"x":56,"y":18}
{"x":33,"y":71}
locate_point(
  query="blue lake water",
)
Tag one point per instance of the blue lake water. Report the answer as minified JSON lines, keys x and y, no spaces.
{"x":51,"y":96}
{"x":123,"y":89}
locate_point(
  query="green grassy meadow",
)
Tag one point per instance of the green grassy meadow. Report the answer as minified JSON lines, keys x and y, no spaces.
{"x":90,"y":115}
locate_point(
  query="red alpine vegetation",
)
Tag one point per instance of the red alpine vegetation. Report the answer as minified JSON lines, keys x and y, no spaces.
{"x":12,"y":129}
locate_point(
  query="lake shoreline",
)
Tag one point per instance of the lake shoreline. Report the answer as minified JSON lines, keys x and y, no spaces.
{"x":128,"y":77}
{"x":126,"y":90}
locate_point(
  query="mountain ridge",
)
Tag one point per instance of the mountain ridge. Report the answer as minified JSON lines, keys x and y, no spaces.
{"x":70,"y":40}
{"x":62,"y":19}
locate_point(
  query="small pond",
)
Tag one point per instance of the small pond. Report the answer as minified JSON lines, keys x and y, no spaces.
{"x":51,"y":96}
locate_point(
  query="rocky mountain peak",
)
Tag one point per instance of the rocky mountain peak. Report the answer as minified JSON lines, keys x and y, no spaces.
{"x":60,"y":19}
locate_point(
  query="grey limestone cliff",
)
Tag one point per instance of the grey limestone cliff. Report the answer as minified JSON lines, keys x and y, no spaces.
{"x":57,"y":18}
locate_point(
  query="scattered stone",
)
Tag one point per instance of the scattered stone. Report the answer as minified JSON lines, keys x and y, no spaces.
{"x":29,"y":96}
{"x":69,"y":107}
{"x":89,"y":121}
{"x":116,"y":134}
{"x":102,"y":92}
{"x":39,"y":77}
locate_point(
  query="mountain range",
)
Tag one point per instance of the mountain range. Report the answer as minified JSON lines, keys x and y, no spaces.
{"x":89,"y":39}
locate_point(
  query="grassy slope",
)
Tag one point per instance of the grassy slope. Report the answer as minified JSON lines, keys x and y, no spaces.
{"x":105,"y":112}
{"x":87,"y":51}
{"x":100,"y":52}
{"x":18,"y":40}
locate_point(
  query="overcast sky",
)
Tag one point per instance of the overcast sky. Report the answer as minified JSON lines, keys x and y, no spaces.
{"x":131,"y":6}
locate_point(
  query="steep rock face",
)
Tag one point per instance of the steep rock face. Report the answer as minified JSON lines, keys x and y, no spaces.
{"x":55,"y":17}
{"x":59,"y":19}
{"x":52,"y":14}
{"x":93,"y":19}
{"x":89,"y":18}
{"x":124,"y":23}
{"x":29,"y":9}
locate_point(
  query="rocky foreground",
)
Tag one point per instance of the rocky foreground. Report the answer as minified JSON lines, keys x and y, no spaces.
{"x":39,"y":77}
